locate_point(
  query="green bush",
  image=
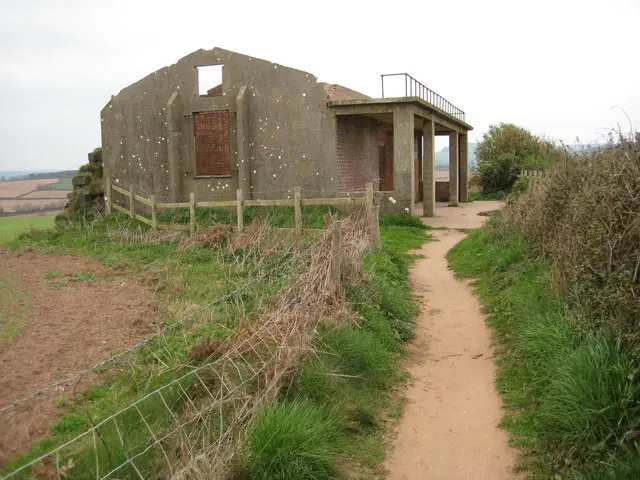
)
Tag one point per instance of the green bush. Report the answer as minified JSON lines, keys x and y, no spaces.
{"x":293,"y":440}
{"x":519,"y":187}
{"x":585,"y":216}
{"x":504,"y":151}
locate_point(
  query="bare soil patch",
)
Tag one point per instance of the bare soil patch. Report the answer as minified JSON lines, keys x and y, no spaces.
{"x":20,"y":187}
{"x":71,"y":313}
{"x":48,"y":194}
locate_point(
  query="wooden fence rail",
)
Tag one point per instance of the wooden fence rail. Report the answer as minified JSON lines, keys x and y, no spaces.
{"x":532,"y":173}
{"x":297,"y":202}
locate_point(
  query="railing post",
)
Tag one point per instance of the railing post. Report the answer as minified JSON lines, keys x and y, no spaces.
{"x":192,"y":214}
{"x":132,"y":207}
{"x":107,"y":190}
{"x":154,"y":213}
{"x":336,"y":245}
{"x":297,"y":206}
{"x":240,"y":210}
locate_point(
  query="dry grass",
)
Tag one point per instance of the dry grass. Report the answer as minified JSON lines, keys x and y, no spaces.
{"x":260,"y":356}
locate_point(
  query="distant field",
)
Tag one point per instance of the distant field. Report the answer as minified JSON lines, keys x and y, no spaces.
{"x":29,"y":205}
{"x":14,"y":189}
{"x":63,"y":184}
{"x":47,"y":194}
{"x":12,"y":226}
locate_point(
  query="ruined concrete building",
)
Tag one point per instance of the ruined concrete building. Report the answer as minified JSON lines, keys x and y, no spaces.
{"x":217,"y":121}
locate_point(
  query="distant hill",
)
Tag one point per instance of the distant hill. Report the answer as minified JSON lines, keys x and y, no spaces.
{"x":6,"y":175}
{"x":442,"y":157}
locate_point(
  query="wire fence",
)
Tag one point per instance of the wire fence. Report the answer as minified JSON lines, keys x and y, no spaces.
{"x":196,"y":420}
{"x":145,"y":341}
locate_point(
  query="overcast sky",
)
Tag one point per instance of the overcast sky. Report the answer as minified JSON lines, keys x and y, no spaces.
{"x":562,"y":68}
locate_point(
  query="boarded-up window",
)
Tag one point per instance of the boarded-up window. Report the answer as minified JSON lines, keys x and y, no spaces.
{"x":212,"y":143}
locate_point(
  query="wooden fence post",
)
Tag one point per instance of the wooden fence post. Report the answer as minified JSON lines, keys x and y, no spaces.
{"x":373,"y":217}
{"x":107,"y":191}
{"x":192,"y":214}
{"x":132,"y":207}
{"x":240,"y":210}
{"x":336,"y":245}
{"x":374,"y":227}
{"x":154,"y":213}
{"x":298,"y":212}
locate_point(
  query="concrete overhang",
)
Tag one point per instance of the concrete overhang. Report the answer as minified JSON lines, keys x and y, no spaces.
{"x":368,"y":106}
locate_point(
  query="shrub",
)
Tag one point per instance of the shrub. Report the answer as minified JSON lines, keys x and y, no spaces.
{"x":294,"y":439}
{"x":585,"y":215}
{"x":505,"y":150}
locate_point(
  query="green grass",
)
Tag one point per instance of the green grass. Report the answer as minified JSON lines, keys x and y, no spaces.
{"x":293,"y":440}
{"x":183,"y":281}
{"x":346,"y":428}
{"x":62,"y":184}
{"x":11,"y":227}
{"x":479,"y":196}
{"x":572,"y":393}
{"x":283,"y":217}
{"x":15,"y":303}
{"x":355,"y":371}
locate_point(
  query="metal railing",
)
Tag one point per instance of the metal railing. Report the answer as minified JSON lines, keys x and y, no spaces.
{"x":413,"y":88}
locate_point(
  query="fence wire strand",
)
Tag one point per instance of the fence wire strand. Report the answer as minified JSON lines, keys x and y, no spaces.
{"x":142,"y":342}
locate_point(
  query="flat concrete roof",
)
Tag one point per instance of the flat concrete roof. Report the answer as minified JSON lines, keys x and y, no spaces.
{"x":383,"y":104}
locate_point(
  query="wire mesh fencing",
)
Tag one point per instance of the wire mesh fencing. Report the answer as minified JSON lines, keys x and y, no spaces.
{"x":197,"y":421}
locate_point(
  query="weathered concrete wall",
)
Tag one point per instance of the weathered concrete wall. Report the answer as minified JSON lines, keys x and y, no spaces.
{"x":357,"y":152}
{"x":147,"y":130}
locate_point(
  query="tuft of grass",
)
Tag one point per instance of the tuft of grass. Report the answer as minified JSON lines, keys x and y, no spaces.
{"x":571,"y":391}
{"x":402,"y":220}
{"x":83,"y":277}
{"x":55,"y":273}
{"x":293,"y":440}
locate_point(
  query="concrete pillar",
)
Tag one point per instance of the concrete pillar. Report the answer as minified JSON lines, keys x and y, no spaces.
{"x":464,"y":167}
{"x":174,"y":114}
{"x":403,"y":126}
{"x":453,"y":169}
{"x":242,"y":138}
{"x":428,"y":169}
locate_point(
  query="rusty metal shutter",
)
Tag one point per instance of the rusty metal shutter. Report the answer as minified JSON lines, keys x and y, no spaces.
{"x":213,"y":149}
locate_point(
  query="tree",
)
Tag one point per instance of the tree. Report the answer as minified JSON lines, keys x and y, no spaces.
{"x":504,"y":151}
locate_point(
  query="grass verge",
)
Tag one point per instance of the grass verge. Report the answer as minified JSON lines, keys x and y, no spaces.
{"x":332,"y":420}
{"x":571,"y":392}
{"x":11,"y":227}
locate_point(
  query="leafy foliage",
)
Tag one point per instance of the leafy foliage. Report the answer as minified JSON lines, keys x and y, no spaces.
{"x":505,"y":150}
{"x":585,"y":215}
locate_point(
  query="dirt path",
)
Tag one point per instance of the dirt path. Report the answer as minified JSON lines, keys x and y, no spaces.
{"x":450,"y":426}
